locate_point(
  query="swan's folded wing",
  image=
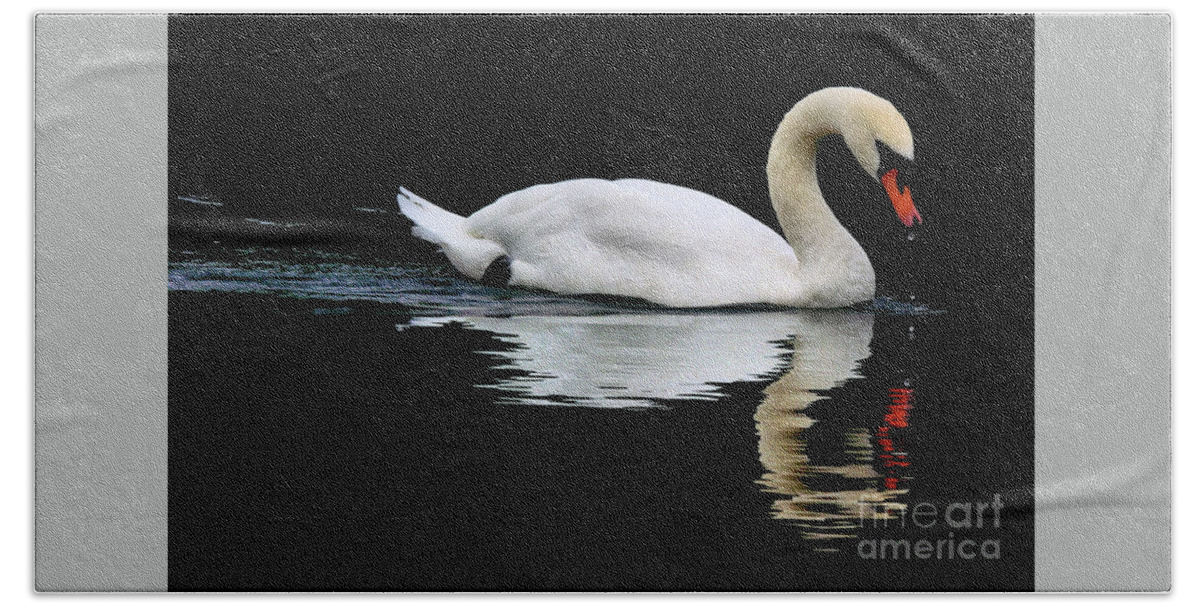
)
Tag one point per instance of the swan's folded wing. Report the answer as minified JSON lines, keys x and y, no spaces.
{"x":637,"y":238}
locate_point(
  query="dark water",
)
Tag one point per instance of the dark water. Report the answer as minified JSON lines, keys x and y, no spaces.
{"x":337,"y":424}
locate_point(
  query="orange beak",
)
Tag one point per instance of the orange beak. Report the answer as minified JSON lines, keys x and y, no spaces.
{"x":901,"y":201}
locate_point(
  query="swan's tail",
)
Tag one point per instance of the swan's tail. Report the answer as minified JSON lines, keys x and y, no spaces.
{"x":469,"y":254}
{"x":432,"y":223}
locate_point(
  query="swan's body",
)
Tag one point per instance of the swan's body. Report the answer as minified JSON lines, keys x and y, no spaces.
{"x":680,"y":247}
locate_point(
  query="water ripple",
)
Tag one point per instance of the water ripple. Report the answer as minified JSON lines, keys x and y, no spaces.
{"x":424,"y":288}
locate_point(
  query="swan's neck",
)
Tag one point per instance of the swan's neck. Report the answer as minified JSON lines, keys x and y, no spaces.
{"x":832,"y":265}
{"x":808,"y":224}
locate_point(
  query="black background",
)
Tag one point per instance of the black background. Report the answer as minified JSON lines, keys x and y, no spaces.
{"x":306,"y":118}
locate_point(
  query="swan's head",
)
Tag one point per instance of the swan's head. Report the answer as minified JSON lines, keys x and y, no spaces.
{"x":864,"y":118}
{"x":861,"y":117}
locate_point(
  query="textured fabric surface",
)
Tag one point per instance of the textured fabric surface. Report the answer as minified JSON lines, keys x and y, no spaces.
{"x":100,"y":231}
{"x":345,"y":412}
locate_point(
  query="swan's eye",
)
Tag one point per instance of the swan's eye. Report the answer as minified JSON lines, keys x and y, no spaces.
{"x":901,"y":201}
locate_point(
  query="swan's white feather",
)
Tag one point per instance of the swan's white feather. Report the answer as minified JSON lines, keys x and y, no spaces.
{"x":631,"y":237}
{"x":638,"y":238}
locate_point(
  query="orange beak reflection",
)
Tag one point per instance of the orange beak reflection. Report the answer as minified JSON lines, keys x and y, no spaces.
{"x":901,"y":201}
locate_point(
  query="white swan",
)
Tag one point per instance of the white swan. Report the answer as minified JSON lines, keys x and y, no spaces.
{"x":679,"y":247}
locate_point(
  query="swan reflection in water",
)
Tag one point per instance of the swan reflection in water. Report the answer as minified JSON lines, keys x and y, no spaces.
{"x":828,"y":501}
{"x":638,"y":360}
{"x":630,"y":360}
